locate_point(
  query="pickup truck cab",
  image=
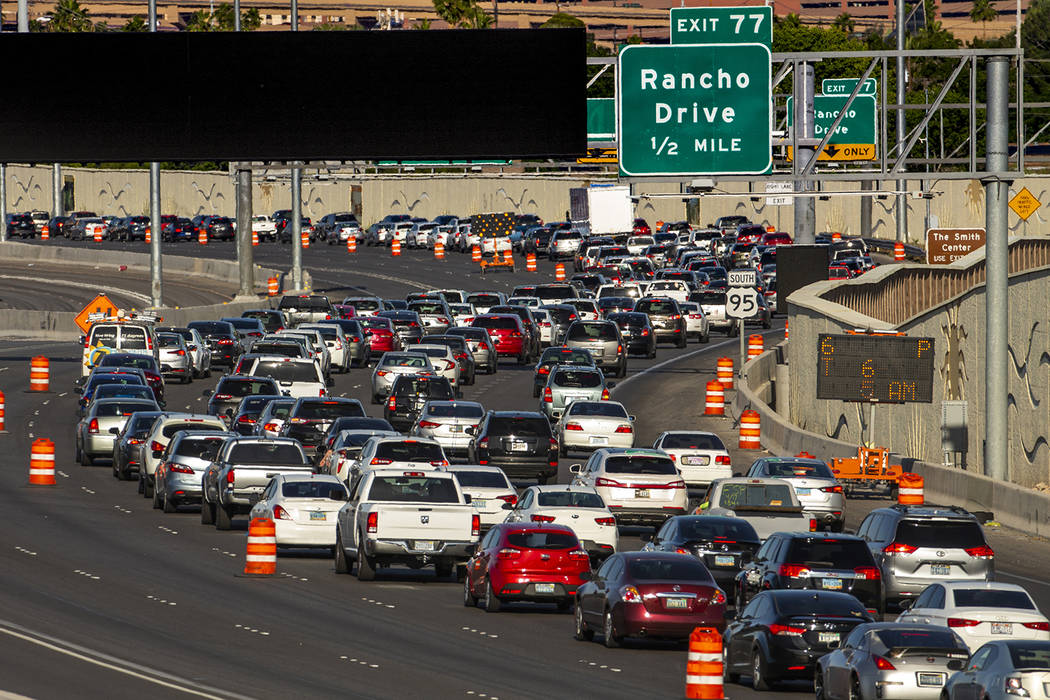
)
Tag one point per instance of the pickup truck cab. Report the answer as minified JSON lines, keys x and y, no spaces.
{"x":417,"y":518}
{"x":305,"y":308}
{"x":244,"y":465}
{"x":770,"y":505}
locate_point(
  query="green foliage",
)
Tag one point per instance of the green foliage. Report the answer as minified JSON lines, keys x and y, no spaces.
{"x":464,"y":14}
{"x":423,"y":24}
{"x":982,"y":11}
{"x":69,"y":16}
{"x":790,"y":35}
{"x":135,"y":24}
{"x":844,"y":23}
{"x":223,"y":19}
{"x":563,"y":19}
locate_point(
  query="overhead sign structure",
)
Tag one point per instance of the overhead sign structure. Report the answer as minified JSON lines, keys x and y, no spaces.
{"x":843,"y":152}
{"x":946,"y":245}
{"x":99,"y":305}
{"x":717,"y":25}
{"x":1024,"y":204}
{"x":742,"y":278}
{"x":694,"y":110}
{"x":856,"y":136}
{"x":597,"y":156}
{"x":844,"y":86}
{"x":775,"y":187}
{"x":601,"y":119}
{"x":875,"y":368}
{"x":741,"y":302}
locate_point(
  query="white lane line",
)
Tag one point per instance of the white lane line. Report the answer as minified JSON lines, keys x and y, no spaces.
{"x":162,"y":601}
{"x":112,"y":663}
{"x":360,"y":662}
{"x":63,"y":393}
{"x":86,"y":574}
{"x":86,"y":489}
{"x":62,"y":473}
{"x":1023,"y":578}
{"x":23,"y":550}
{"x":144,"y":298}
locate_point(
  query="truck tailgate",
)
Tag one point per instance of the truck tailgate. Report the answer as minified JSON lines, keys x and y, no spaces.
{"x":251,"y":478}
{"x":408,"y":521}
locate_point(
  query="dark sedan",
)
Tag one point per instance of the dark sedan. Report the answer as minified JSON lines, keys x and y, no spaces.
{"x":310,"y":418}
{"x":247,"y":413}
{"x":223,"y":340}
{"x":232,"y":388}
{"x":637,"y":332}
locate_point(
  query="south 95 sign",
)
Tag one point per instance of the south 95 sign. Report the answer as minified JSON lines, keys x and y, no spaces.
{"x":875,"y":368}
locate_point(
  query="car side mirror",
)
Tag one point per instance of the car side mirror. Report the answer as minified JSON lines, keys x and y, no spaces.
{"x":906,"y":604}
{"x":586,"y":576}
{"x":82,"y":340}
{"x":338,"y":495}
{"x":610,"y":385}
{"x":576,"y":468}
{"x":207,"y":392}
{"x":329,"y":382}
{"x":114,"y":431}
{"x":507,"y":506}
{"x":632,"y":418}
{"x":191,"y":348}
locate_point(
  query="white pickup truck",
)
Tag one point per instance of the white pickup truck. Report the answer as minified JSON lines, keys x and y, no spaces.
{"x":416,"y":518}
{"x":770,"y":505}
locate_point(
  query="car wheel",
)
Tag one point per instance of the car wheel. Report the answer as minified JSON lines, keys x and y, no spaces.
{"x":609,"y":632}
{"x":376,"y":398}
{"x":86,"y":460}
{"x":147,"y":488}
{"x":341,"y":565}
{"x":142,"y":480}
{"x":186,"y":379}
{"x":768,"y":323}
{"x":621,"y":371}
{"x":727,"y":675}
{"x":583,"y":633}
{"x":652,"y":353}
{"x":542,"y":480}
{"x":366,"y":566}
{"x":523,"y":359}
{"x":116,"y":473}
{"x":856,"y":694}
{"x":156,"y":499}
{"x":469,"y":599}
{"x":535,"y":391}
{"x":207,"y":513}
{"x":490,"y":602}
{"x":705,"y":337}
{"x":492,"y":368}
{"x":681,"y":341}
{"x":759,"y":681}
{"x":444,"y":567}
{"x":563,"y":450}
{"x":169,"y":505}
{"x":223,"y":519}
{"x":818,"y":685}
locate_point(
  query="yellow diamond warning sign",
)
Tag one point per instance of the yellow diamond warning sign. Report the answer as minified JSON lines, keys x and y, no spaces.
{"x":1024,"y":203}
{"x":844,"y":151}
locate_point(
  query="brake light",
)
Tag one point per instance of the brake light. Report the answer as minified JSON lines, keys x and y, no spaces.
{"x":812,"y":524}
{"x":542,"y":518}
{"x":381,"y":373}
{"x":573,"y":426}
{"x":548,"y":396}
{"x":722,"y":459}
{"x":321,"y":392}
{"x":230,"y":476}
{"x":605,"y":395}
{"x":630,"y":594}
{"x":884,"y":665}
{"x":372,"y":524}
{"x":624,"y":429}
{"x":93,"y":426}
{"x":245,"y":419}
{"x":719,"y":598}
{"x":793,"y":570}
{"x":787,"y":630}
{"x":509,"y":553}
{"x":391,"y":403}
{"x":554,"y":444}
{"x":483,"y":443}
{"x":378,"y":461}
{"x":156,"y":446}
{"x":271,"y":427}
{"x":868,"y":573}
{"x":610,"y":483}
{"x":837,"y":488}
{"x":512,"y":499}
{"x":645,"y":332}
{"x":680,"y":484}
{"x":439,"y":463}
{"x":962,"y":622}
{"x":280,"y":513}
{"x":1041,"y":626}
{"x":225,"y":341}
{"x":982,"y":552}
{"x":543,"y":370}
{"x":605,"y":521}
{"x":898,"y":548}
{"x":180,"y":352}
{"x":579,"y":555}
{"x":475,"y":525}
{"x":221,"y":397}
{"x":135,"y":441}
{"x":429,"y":424}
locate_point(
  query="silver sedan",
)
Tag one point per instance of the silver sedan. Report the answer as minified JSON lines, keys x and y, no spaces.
{"x":103,"y":420}
{"x":568,"y":383}
{"x":174,"y":357}
{"x":390,"y":365}
{"x":588,"y":425}
{"x":449,"y":422}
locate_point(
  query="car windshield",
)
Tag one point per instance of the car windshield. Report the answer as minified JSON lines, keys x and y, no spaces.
{"x":373,"y":323}
{"x":1030,"y":655}
{"x":604,"y":409}
{"x":482,"y":479}
{"x":941,"y":534}
{"x":118,"y":409}
{"x":447,"y":410}
{"x":522,"y":427}
{"x":692,"y":441}
{"x":310,"y":489}
{"x":439,"y":388}
{"x":896,"y":638}
{"x":406,"y":361}
{"x":554,"y":292}
{"x":425,"y":489}
{"x":327,"y":410}
{"x":832,"y":554}
{"x":305,"y":303}
{"x":841,"y":605}
{"x":991,"y":598}
{"x":254,"y":404}
{"x":169,"y":340}
{"x":245,"y":387}
{"x":569,"y":499}
{"x":267,"y":453}
{"x":799,"y":470}
{"x":676,"y":569}
{"x":201,"y":448}
{"x":102,"y":379}
{"x":656,"y":308}
{"x":172,"y":428}
{"x":577,"y":379}
{"x":738,"y":494}
{"x":409,"y":451}
{"x":639,"y":464}
{"x":707,"y":528}
{"x":593,"y":331}
{"x":128,"y":391}
{"x":283,"y":349}
{"x":542,"y":540}
{"x":496,"y":322}
{"x":425,"y":307}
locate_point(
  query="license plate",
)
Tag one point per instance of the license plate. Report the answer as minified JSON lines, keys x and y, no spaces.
{"x":599,"y":440}
{"x":828,"y":637}
{"x":679,"y":603}
{"x":479,"y":502}
{"x":456,"y":429}
{"x":1002,"y":628}
{"x":724,"y":560}
{"x":941,"y":569}
{"x":831,"y":584}
{"x":702,"y":461}
{"x":318,"y":515}
{"x":802,"y":492}
{"x":641,"y":493}
{"x":931,"y":679}
{"x":425,"y":545}
{"x":544,"y":587}
{"x":519,"y":447}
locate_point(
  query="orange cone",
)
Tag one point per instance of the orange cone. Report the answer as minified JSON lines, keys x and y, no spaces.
{"x":98,"y":235}
{"x":3,"y":413}
{"x":439,"y":250}
{"x":149,"y":235}
{"x":39,"y":374}
{"x":703,"y":670}
{"x":898,"y":252}
{"x":202,"y":236}
{"x":255,"y":238}
{"x":45,"y":233}
{"x":305,"y":239}
{"x":261,"y":556}
{"x":508,"y":257}
{"x":42,"y":463}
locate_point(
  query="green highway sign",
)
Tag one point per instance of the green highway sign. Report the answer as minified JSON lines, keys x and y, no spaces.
{"x":601,"y":119}
{"x":844,"y":86}
{"x":694,"y":109}
{"x":720,"y":25}
{"x":857,"y":127}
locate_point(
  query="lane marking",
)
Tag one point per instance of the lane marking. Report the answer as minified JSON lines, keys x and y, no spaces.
{"x":253,"y":630}
{"x":378,"y":602}
{"x":1023,"y":578}
{"x":86,"y":574}
{"x":86,"y":489}
{"x":360,"y":662}
{"x":23,"y":550}
{"x":143,"y":298}
{"x":161,"y":600}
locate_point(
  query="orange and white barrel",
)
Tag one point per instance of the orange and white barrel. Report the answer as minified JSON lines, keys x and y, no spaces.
{"x":898,"y":252}
{"x":40,"y":374}
{"x":836,"y":237}
{"x":785,"y":329}
{"x":530,"y":262}
{"x":42,"y":463}
{"x":395,"y":248}
{"x":149,"y":234}
{"x":97,"y":237}
{"x":351,"y":244}
{"x":255,"y":238}
{"x":508,"y":257}
{"x":475,"y":254}
{"x":439,"y":250}
{"x":750,"y":431}
{"x":724,"y":372}
{"x":755,"y":345}
{"x":45,"y":233}
{"x":304,"y":238}
{"x":202,"y":237}
{"x":910,"y":489}
{"x":260,"y":559}
{"x":715,"y":403}
{"x":703,"y":669}
{"x":3,"y":413}
{"x":559,"y":272}
{"x":273,"y":286}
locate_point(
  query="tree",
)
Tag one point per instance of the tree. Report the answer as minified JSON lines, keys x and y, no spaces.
{"x":563,"y":19}
{"x":69,"y":16}
{"x":844,"y":23}
{"x":983,"y":12}
{"x":466,"y":14}
{"x":135,"y":24}
{"x":199,"y":21}
{"x":223,"y":20}
{"x":423,"y":24}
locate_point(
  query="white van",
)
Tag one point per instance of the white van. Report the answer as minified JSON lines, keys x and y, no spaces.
{"x":105,"y":337}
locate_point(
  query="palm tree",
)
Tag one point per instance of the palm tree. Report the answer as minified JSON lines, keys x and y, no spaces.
{"x":845,"y":23}
{"x":983,"y":12}
{"x":69,"y":16}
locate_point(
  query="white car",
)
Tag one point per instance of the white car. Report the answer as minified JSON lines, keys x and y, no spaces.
{"x":979,"y":612}
{"x":264,"y":226}
{"x":586,"y":309}
{"x":636,"y":245}
{"x":543,"y":321}
{"x":578,"y":507}
{"x":448,"y":423}
{"x":273,"y":416}
{"x":399,"y":232}
{"x":641,"y":487}
{"x":336,"y":342}
{"x":483,"y":301}
{"x":676,"y":289}
{"x":389,"y":452}
{"x":696,"y":323}
{"x":462,"y":314}
{"x":587,"y":425}
{"x":392,"y":364}
{"x":346,"y":449}
{"x":302,"y":508}
{"x":423,"y":237}
{"x":316,"y":343}
{"x":443,"y":361}
{"x":489,"y":489}
{"x":700,"y":457}
{"x":298,"y":377}
{"x":530,"y":302}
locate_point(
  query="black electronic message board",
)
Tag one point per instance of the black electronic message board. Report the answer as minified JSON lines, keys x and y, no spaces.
{"x":875,"y":368}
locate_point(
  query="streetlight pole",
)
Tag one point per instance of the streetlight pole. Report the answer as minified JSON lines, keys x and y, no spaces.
{"x":297,"y":197}
{"x":156,"y":284}
{"x":902,"y":202}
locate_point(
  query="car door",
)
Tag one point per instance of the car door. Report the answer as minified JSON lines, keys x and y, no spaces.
{"x":738,"y":650}
{"x":919,"y":611}
{"x":261,"y":509}
{"x":842,"y":662}
{"x":968,"y":685}
{"x":594,"y":606}
{"x":750,"y":577}
{"x":475,"y":566}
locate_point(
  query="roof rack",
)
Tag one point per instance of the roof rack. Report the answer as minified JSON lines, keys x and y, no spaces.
{"x":124,"y":317}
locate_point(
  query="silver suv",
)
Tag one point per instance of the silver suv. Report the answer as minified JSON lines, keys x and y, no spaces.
{"x":915,"y":546}
{"x":603,"y":340}
{"x":568,"y":383}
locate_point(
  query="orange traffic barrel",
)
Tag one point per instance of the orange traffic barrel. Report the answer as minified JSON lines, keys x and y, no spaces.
{"x":351,"y":244}
{"x":39,"y":374}
{"x":530,"y":262}
{"x":273,"y":286}
{"x":785,"y":329}
{"x":559,"y":272}
{"x":304,"y":238}
{"x":755,"y":346}
{"x":149,"y":235}
{"x":202,"y":236}
{"x":475,"y":254}
{"x":395,"y":248}
{"x":261,"y":556}
{"x":439,"y":250}
{"x":3,"y":413}
{"x":703,"y":670}
{"x":750,"y":431}
{"x":724,"y":372}
{"x":715,"y":404}
{"x":255,"y":238}
{"x":45,"y":233}
{"x":806,"y":455}
{"x":42,"y":463}
{"x":836,"y":237}
{"x":909,"y":489}
{"x":898,"y":251}
{"x":98,"y":235}
{"x":508,"y":257}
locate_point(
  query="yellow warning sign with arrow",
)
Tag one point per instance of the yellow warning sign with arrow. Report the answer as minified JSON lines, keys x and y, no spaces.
{"x":844,"y":152}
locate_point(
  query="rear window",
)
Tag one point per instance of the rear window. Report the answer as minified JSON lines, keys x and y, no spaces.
{"x":326,"y":410}
{"x":413,"y":488}
{"x":639,"y":464}
{"x":202,"y":448}
{"x":373,"y":323}
{"x":984,"y":598}
{"x":419,"y":386}
{"x":922,"y":639}
{"x":245,"y":387}
{"x":830,"y":554}
{"x":736,"y":495}
{"x":593,"y":331}
{"x":523,"y":427}
{"x":104,"y":335}
{"x":138,"y":361}
{"x":102,"y":379}
{"x":543,"y":540}
{"x":800,"y":470}
{"x":406,"y":361}
{"x":676,"y":569}
{"x":597,"y":408}
{"x":267,"y":453}
{"x":128,"y":391}
{"x":255,"y":404}
{"x":284,"y":349}
{"x":707,"y":528}
{"x":212,"y":327}
{"x":287,"y":371}
{"x":578,"y":379}
{"x":453,"y":411}
{"x":304,"y":303}
{"x":566,"y":357}
{"x":569,"y":499}
{"x":172,"y":428}
{"x":363,"y":304}
{"x":310,"y":489}
{"x":692,"y":441}
{"x":555,"y":292}
{"x":486,"y":480}
{"x":422,"y":307}
{"x":657,"y":308}
{"x":496,"y":322}
{"x":843,"y":605}
{"x":711,"y":298}
{"x":484,"y":299}
{"x":942,"y":534}
{"x":112,"y":410}
{"x":1030,"y":655}
{"x":410,"y":452}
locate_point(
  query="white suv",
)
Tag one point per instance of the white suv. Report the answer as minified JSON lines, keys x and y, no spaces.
{"x":297,"y":377}
{"x":382,"y":452}
{"x":579,"y":507}
{"x":641,"y":487}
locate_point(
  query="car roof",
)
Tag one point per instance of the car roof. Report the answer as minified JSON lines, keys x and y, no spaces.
{"x":332,"y":478}
{"x":929,"y":511}
{"x":473,"y":468}
{"x":835,"y":536}
{"x":517,"y":414}
{"x":563,"y":488}
{"x":982,"y":585}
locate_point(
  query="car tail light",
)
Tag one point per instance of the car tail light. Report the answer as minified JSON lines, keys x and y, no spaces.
{"x":722,"y":459}
{"x":548,"y":396}
{"x":222,"y":397}
{"x":573,"y":426}
{"x":610,"y":483}
{"x":280,"y":513}
{"x":230,"y":477}
{"x":645,"y":332}
{"x":786,"y":630}
{"x":225,"y":341}
{"x":180,"y":352}
{"x":553,"y":444}
{"x":630,"y":594}
{"x":812,"y":524}
{"x":156,"y":446}
{"x":439,"y":463}
{"x":619,"y":348}
{"x":512,"y":499}
{"x":322,"y":392}
{"x":868,"y":573}
{"x":541,"y":518}
{"x":475,"y":525}
{"x":271,"y":427}
{"x":543,"y":370}
{"x":483,"y":443}
{"x":837,"y":488}
{"x":982,"y":552}
{"x":372,"y":524}
{"x":899,"y":548}
{"x":793,"y":570}
{"x":1041,"y":626}
{"x":579,"y":555}
{"x":509,"y":553}
{"x":378,"y":461}
{"x":605,"y":521}
{"x":1013,"y":686}
{"x":719,"y":597}
{"x":381,"y":373}
{"x":93,"y":426}
{"x":962,"y":622}
{"x":429,"y":424}
{"x":624,"y":429}
{"x":605,"y":395}
{"x":391,"y":403}
{"x":680,"y":484}
{"x":178,"y":468}
{"x":135,"y":441}
{"x":245,"y":419}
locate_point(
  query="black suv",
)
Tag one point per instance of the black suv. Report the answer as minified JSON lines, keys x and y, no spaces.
{"x":232,"y":388}
{"x":461,"y":351}
{"x":817,"y":561}
{"x":724,"y":545}
{"x":666,"y":318}
{"x":219,"y":228}
{"x":21,"y":225}
{"x":637,"y":332}
{"x":223,"y":340}
{"x":310,"y":418}
{"x":408,"y":395}
{"x":247,"y":413}
{"x":521,"y":443}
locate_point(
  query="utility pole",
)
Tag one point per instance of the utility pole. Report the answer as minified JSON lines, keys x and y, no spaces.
{"x":56,"y":190}
{"x":805,"y":207}
{"x":902,"y":201}
{"x":23,"y":16}
{"x":3,"y":202}
{"x":156,"y":284}
{"x":297,"y":197}
{"x":997,"y":272}
{"x":245,"y":254}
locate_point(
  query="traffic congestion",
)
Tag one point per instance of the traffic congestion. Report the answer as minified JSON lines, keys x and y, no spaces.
{"x":358,"y":425}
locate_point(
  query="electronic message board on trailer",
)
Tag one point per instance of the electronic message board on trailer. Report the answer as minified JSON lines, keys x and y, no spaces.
{"x":874,"y":368}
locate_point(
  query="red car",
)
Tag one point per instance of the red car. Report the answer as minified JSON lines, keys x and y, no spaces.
{"x":507,"y":333}
{"x":380,"y":334}
{"x":838,"y":272}
{"x":344,"y":311}
{"x":641,"y":228}
{"x":526,"y":562}
{"x":649,"y":594}
{"x":775,"y":238}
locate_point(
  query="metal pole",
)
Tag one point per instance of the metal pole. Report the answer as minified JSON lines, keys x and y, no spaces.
{"x":902,"y":202}
{"x":865,"y":209}
{"x":155,"y":265}
{"x":997,"y":261}
{"x":295,"y":15}
{"x":236,"y":15}
{"x":56,"y":190}
{"x":743,"y":352}
{"x":23,"y":16}
{"x":805,"y":207}
{"x":297,"y":228}
{"x":3,"y":202}
{"x":245,"y":257}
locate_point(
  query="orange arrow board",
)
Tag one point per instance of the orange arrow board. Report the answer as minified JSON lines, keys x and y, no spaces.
{"x":99,"y":305}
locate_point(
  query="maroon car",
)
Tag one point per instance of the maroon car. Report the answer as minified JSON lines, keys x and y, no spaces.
{"x":507,"y":333}
{"x":380,"y":334}
{"x":661,"y":595}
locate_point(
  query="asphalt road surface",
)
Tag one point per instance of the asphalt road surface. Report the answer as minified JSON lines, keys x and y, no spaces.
{"x":103,"y":597}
